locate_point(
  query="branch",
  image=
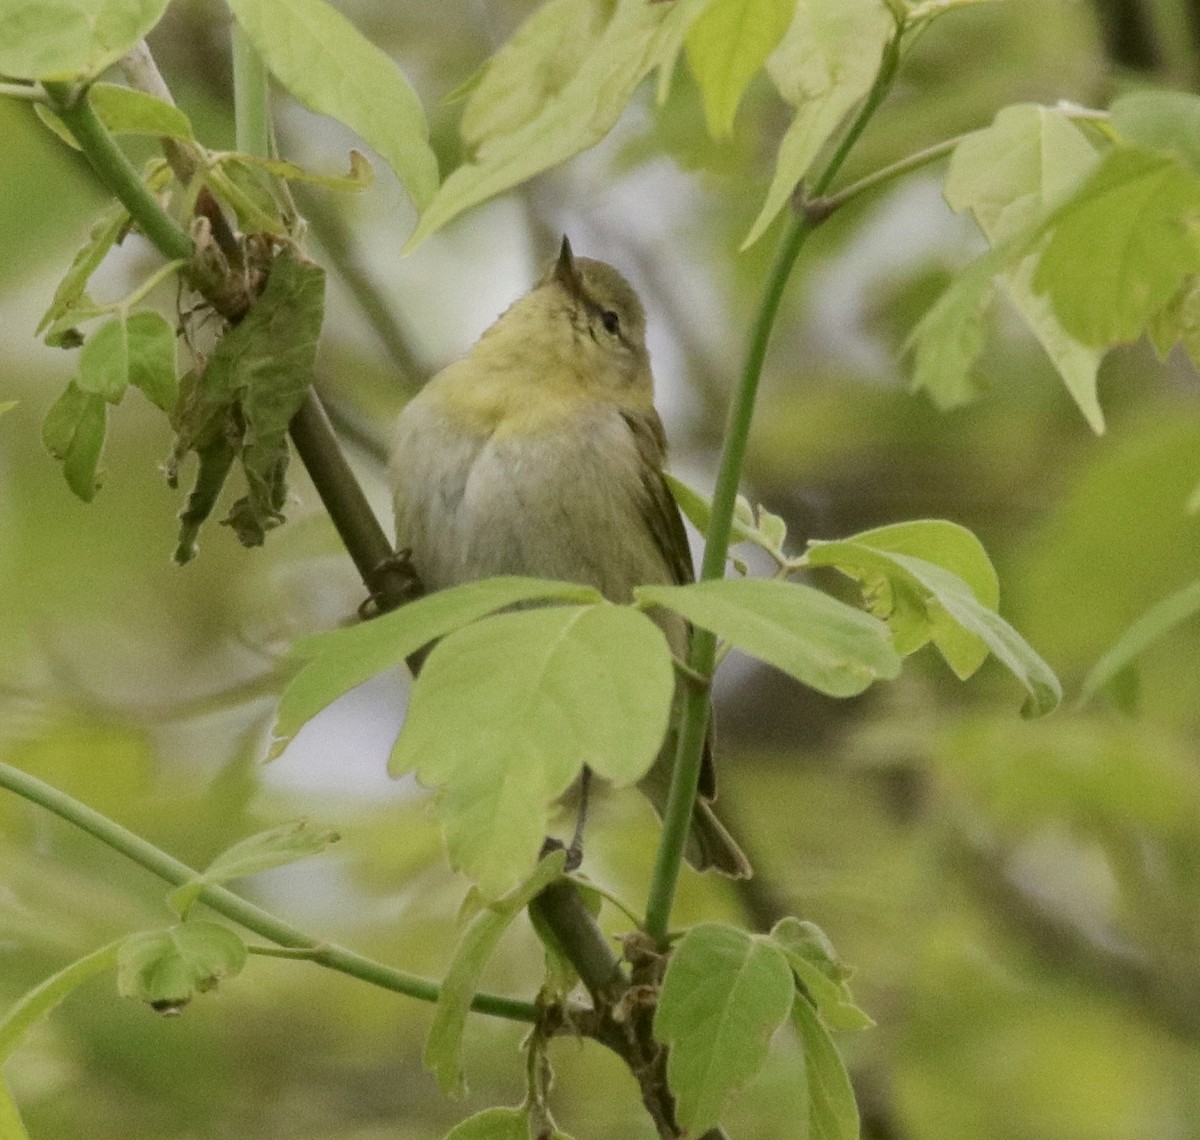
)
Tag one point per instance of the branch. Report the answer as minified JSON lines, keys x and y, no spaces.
{"x":685,"y":775}
{"x":237,"y":909}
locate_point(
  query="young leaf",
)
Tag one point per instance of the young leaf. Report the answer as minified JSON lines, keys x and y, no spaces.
{"x":443,"y":1047}
{"x":1164,"y":121}
{"x":275,"y":847}
{"x":724,"y":995}
{"x":927,"y":602}
{"x":104,"y":233}
{"x":820,"y":972}
{"x":508,"y":710}
{"x":634,"y":41}
{"x":1121,"y":246}
{"x":330,"y":67}
{"x":11,"y":1127}
{"x":39,"y":1001}
{"x":1011,"y":176}
{"x":726,"y":46}
{"x":253,"y":385}
{"x":124,"y":110}
{"x":1154,"y":624}
{"x":167,"y":968}
{"x":494,"y":1124}
{"x":73,"y":431}
{"x":343,"y":659}
{"x":70,"y":39}
{"x":826,"y":63}
{"x":359,"y":177}
{"x":832,"y":1111}
{"x":830,"y":646}
{"x":138,"y":350}
{"x":769,"y":531}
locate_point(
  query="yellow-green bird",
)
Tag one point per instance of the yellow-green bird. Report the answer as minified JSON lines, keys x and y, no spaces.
{"x":540,"y":453}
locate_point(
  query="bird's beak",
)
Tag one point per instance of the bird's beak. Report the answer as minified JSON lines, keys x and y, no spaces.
{"x":565,"y":271}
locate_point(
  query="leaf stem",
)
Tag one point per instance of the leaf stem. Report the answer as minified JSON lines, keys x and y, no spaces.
{"x":685,"y":776}
{"x":32,"y":92}
{"x":117,"y":172}
{"x":239,"y":910}
{"x":252,"y":123}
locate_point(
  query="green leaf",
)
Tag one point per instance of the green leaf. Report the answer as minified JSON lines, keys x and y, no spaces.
{"x":768,"y":531}
{"x":1121,"y":246}
{"x":820,"y":972}
{"x":39,"y":1001}
{"x":832,"y":1112}
{"x":139,"y":350}
{"x":254,"y":383}
{"x":167,"y":968}
{"x":506,"y":712}
{"x":11,"y":1127}
{"x":493,"y":1124}
{"x":726,"y":46}
{"x":1011,"y":176}
{"x":1178,"y":322}
{"x":724,"y":995}
{"x":826,"y":63}
{"x":70,"y":39}
{"x":564,"y":121}
{"x":328,"y":65}
{"x":343,"y":659}
{"x":125,"y":111}
{"x":826,"y":644}
{"x":70,"y":291}
{"x":925,"y":602}
{"x":275,"y":847}
{"x":1014,"y":173}
{"x":1164,"y":121}
{"x":1154,"y":624}
{"x":360,"y":176}
{"x":73,"y":431}
{"x":443,"y":1047}
{"x":948,"y":339}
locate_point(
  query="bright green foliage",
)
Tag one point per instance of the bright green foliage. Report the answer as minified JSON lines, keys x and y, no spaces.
{"x":275,"y":847}
{"x":319,"y":56}
{"x":832,"y":1111}
{"x":73,"y":431}
{"x":1164,"y":121}
{"x":726,"y":47}
{"x":138,"y":350}
{"x":167,"y":968}
{"x":725,"y":994}
{"x":509,"y":709}
{"x":820,"y":973}
{"x":1155,"y":623}
{"x":342,"y":659}
{"x":924,"y":601}
{"x":529,"y":136}
{"x":241,"y":405}
{"x":11,"y":1127}
{"x":443,"y":1047}
{"x":39,"y":1001}
{"x":1011,"y":176}
{"x":124,"y":110}
{"x":826,"y":63}
{"x":750,"y":524}
{"x":826,"y":644}
{"x":1120,"y":248}
{"x":494,"y":1124}
{"x":70,"y":295}
{"x":70,"y":38}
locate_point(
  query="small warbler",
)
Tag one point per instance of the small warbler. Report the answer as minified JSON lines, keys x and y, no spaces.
{"x":540,"y":453}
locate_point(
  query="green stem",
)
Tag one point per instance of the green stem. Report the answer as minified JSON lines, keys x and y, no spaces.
{"x":33,"y":92}
{"x":685,"y":776}
{"x":252,"y":121}
{"x":245,"y":913}
{"x":117,"y":172}
{"x":832,"y":202}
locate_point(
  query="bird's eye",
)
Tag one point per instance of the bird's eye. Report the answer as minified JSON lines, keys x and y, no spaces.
{"x":611,"y":321}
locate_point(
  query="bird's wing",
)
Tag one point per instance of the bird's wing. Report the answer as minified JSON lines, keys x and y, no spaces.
{"x":658,"y":507}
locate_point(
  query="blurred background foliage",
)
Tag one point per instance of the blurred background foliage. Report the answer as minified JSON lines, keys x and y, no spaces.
{"x":1022,"y":901}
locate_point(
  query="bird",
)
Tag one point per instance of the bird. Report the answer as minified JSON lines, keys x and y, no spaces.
{"x":540,"y":453}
